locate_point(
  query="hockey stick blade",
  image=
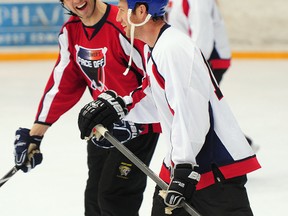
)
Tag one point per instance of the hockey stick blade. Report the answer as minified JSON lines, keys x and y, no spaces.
{"x":8,"y":175}
{"x":142,"y":166}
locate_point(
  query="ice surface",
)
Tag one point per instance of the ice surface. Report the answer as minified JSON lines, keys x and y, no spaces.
{"x":256,"y":90}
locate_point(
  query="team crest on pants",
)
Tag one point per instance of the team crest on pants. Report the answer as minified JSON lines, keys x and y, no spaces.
{"x":124,"y":169}
{"x":92,"y":62}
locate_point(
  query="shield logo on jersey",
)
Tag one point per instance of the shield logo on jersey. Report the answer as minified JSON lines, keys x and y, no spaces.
{"x":92,"y":63}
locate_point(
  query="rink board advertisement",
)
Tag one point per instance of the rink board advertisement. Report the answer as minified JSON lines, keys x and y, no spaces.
{"x":30,"y":24}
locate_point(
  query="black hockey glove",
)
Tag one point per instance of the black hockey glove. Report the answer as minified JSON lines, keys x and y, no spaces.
{"x":182,"y":185}
{"x":106,"y":110}
{"x":123,"y":131}
{"x":27,"y":150}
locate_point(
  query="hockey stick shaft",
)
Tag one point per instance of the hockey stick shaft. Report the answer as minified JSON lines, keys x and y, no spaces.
{"x":142,"y":166}
{"x":8,"y":175}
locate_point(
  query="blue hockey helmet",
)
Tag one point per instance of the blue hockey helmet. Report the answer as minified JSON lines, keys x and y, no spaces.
{"x":155,"y":7}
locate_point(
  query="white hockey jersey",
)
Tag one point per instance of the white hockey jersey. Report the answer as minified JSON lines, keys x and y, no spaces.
{"x":196,"y":121}
{"x":201,"y":20}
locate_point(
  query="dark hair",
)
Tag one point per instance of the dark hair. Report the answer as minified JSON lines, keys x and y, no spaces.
{"x":154,"y":18}
{"x":69,"y":12}
{"x":140,"y":3}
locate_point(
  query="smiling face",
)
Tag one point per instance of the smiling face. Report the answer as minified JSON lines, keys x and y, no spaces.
{"x":136,"y":18}
{"x":122,"y":16}
{"x":85,"y":9}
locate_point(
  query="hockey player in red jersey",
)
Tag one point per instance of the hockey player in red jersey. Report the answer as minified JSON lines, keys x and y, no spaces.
{"x":94,"y":53}
{"x":208,"y":157}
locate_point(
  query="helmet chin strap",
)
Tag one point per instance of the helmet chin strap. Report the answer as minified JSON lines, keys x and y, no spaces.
{"x":72,"y":13}
{"x":132,"y":30}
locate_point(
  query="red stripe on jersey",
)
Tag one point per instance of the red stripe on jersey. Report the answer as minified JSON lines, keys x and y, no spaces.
{"x":158,"y":77}
{"x":137,"y":96}
{"x":206,"y":180}
{"x":145,"y":82}
{"x":165,"y":174}
{"x":220,"y":63}
{"x":157,"y":127}
{"x":238,"y":168}
{"x":160,"y":80}
{"x":186,"y":8}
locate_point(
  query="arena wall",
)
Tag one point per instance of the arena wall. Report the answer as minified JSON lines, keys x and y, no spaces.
{"x":256,"y":29}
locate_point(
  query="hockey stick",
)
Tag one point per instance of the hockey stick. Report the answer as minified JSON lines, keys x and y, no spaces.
{"x":8,"y":175}
{"x":99,"y":129}
{"x":14,"y":170}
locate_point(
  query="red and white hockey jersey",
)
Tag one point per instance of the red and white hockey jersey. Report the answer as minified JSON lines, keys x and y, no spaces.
{"x":94,"y":56}
{"x":197,"y":123}
{"x":201,"y":20}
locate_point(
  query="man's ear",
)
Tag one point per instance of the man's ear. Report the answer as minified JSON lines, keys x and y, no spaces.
{"x":141,"y":10}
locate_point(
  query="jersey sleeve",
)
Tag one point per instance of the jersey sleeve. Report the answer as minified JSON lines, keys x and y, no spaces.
{"x":187,"y":95}
{"x":64,"y":87}
{"x":141,"y":106}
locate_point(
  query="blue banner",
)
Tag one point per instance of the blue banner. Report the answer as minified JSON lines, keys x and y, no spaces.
{"x":112,"y":2}
{"x":30,"y":24}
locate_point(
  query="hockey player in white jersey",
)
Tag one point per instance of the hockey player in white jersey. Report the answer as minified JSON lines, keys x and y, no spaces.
{"x":207,"y":155}
{"x":202,"y":22}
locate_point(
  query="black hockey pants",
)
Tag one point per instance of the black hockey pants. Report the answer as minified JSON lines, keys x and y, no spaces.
{"x":115,"y":185}
{"x":225,"y":198}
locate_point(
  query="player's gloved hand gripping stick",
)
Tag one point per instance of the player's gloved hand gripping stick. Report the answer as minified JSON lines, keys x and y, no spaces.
{"x":99,"y":131}
{"x":26,"y":152}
